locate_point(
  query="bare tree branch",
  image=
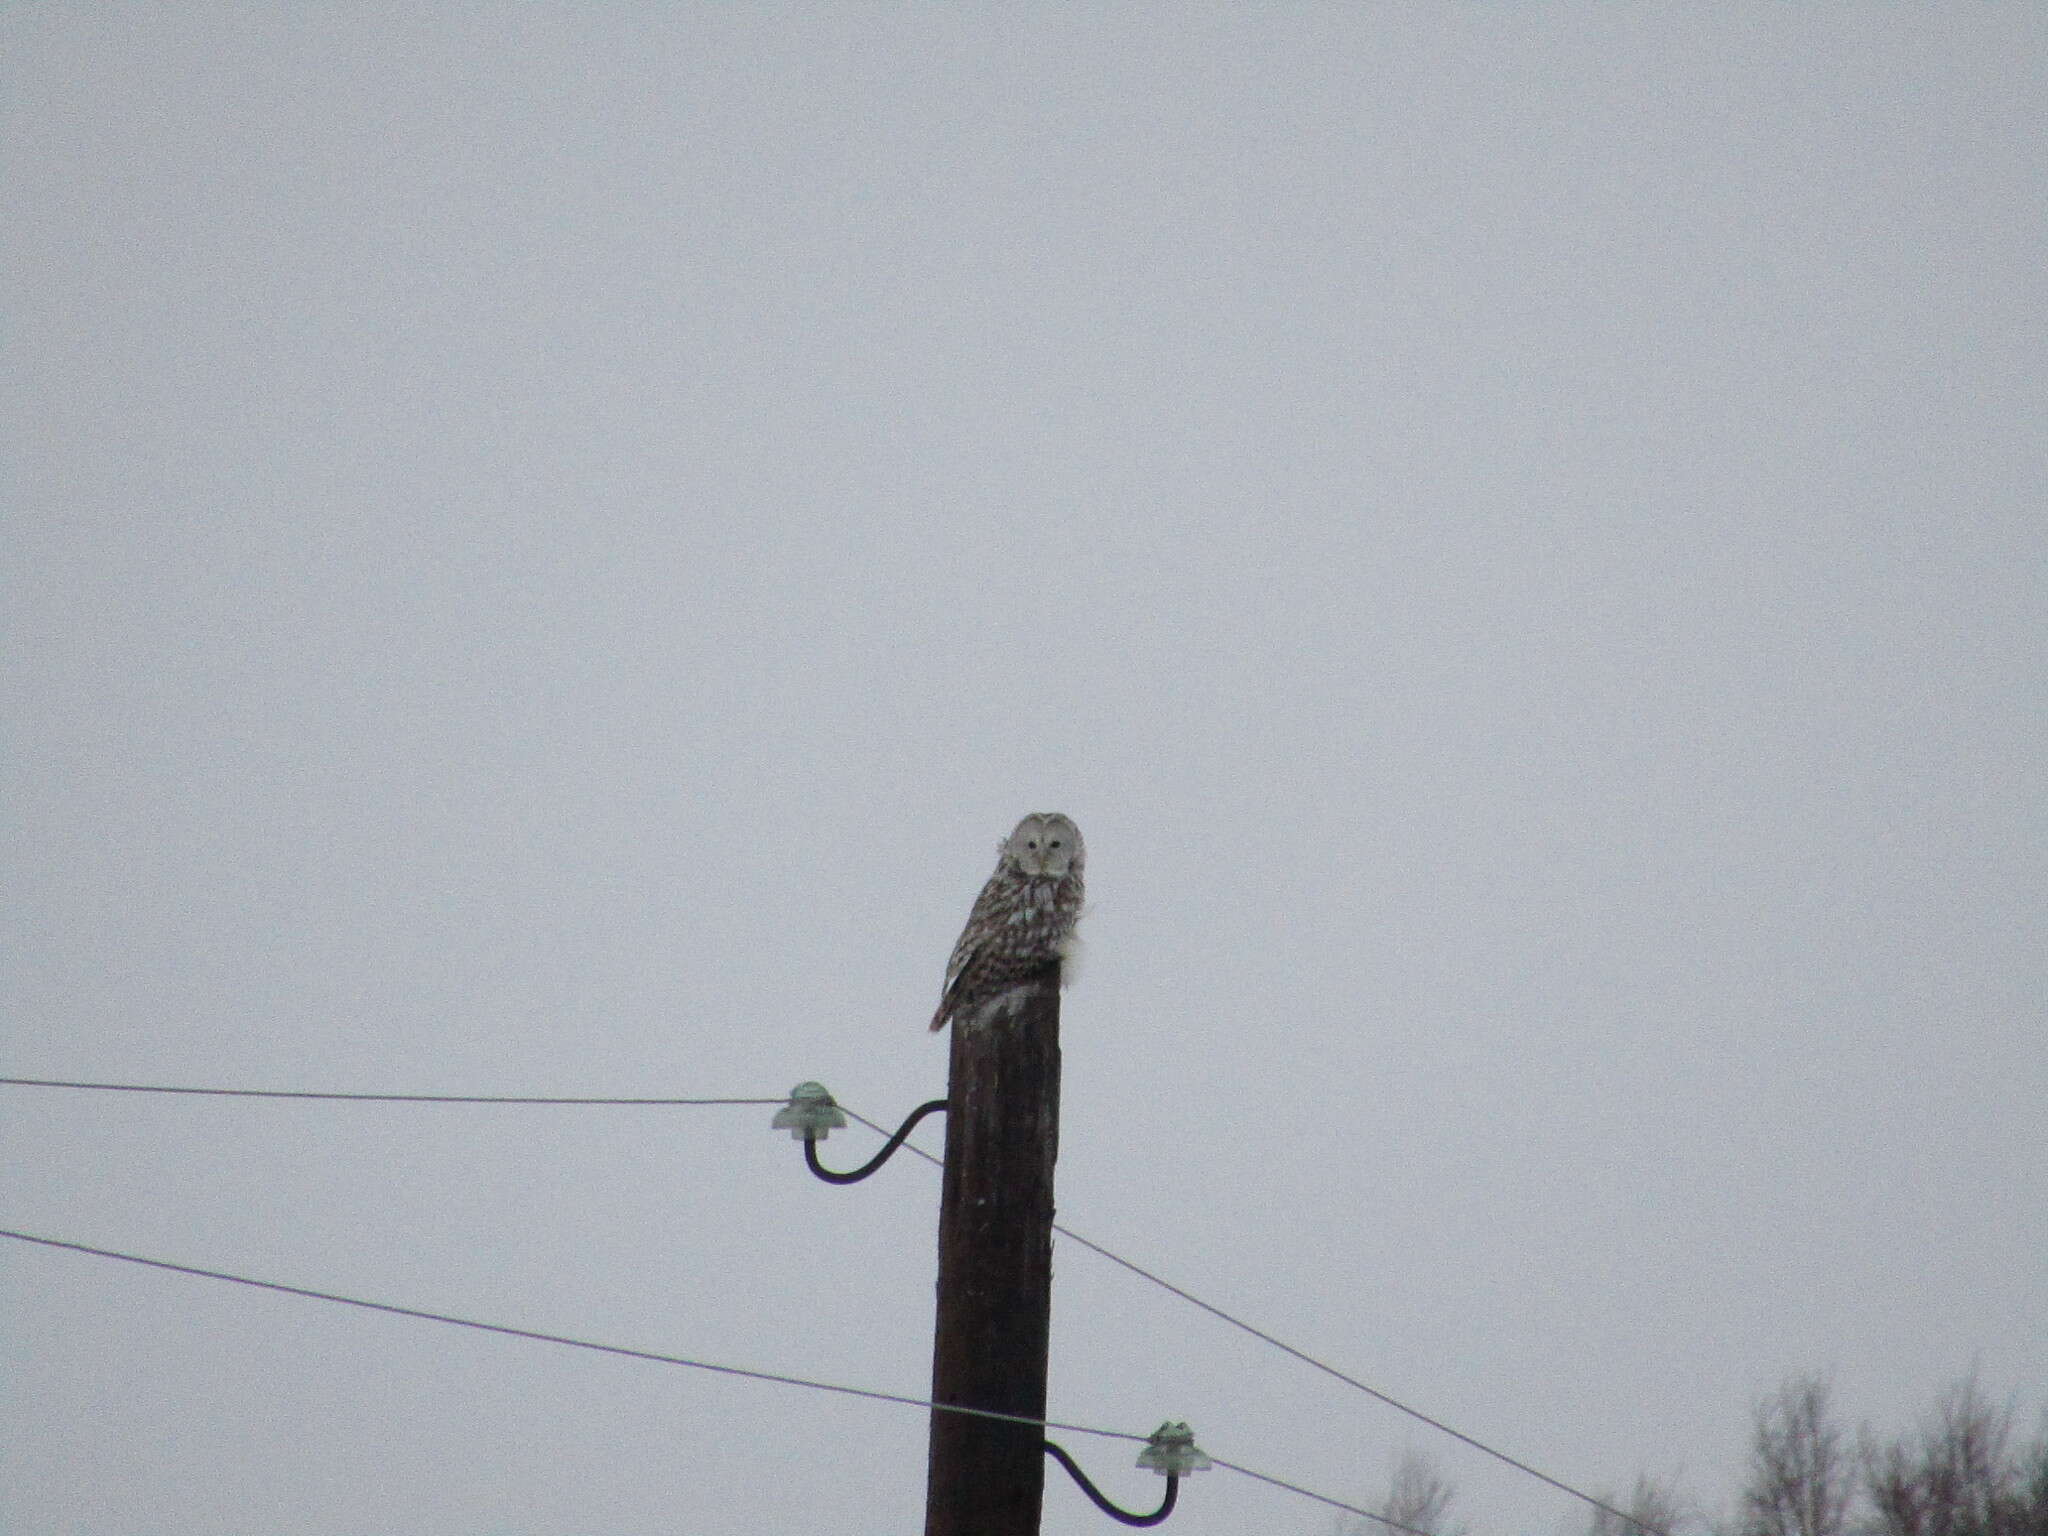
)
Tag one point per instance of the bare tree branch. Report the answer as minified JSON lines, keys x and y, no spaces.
{"x":1651,"y":1505}
{"x":1802,"y":1476}
{"x":1957,"y":1477}
{"x":1419,"y":1497}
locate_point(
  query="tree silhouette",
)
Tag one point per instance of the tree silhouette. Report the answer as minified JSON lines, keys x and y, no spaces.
{"x":1802,"y":1473}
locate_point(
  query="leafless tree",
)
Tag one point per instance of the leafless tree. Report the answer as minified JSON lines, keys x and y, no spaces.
{"x":1958,"y":1476}
{"x":1651,"y":1507}
{"x":2031,"y":1516}
{"x":1802,"y":1473}
{"x":1419,"y":1498}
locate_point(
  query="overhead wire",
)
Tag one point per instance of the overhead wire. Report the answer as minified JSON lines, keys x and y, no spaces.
{"x":1321,"y":1498}
{"x":1089,"y":1243}
{"x":567,"y":1340}
{"x":1307,"y":1359}
{"x":656,"y":1357}
{"x":368,"y":1098}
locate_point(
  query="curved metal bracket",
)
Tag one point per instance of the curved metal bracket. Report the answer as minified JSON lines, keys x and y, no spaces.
{"x":1103,"y":1504}
{"x":831,"y":1176}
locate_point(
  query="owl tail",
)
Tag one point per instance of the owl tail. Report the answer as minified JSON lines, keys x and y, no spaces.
{"x":948,"y":995}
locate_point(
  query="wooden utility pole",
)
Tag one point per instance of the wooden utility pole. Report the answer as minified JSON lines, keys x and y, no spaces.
{"x":987,"y":1477}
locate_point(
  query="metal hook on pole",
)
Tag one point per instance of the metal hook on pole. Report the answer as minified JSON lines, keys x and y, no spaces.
{"x":1171,"y":1452}
{"x":812,"y":1114}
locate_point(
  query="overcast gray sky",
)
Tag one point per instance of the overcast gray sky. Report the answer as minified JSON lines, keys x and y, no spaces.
{"x":545,"y":546}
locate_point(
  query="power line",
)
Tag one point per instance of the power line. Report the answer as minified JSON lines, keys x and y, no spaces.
{"x":1310,"y":1493}
{"x":1115,"y":1258}
{"x":658,"y":1358}
{"x":552,"y":1338}
{"x":1307,"y":1359}
{"x":1350,"y":1381}
{"x":366,"y":1098}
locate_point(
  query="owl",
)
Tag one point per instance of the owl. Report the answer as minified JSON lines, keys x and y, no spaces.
{"x":1023,"y":919}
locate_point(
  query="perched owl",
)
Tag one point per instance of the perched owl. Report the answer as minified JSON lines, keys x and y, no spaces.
{"x":1022,"y":920}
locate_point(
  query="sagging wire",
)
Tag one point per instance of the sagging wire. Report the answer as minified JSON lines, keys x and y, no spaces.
{"x":1150,"y":1442}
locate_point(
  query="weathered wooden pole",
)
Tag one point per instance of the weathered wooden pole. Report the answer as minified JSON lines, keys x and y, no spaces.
{"x":987,"y":1477}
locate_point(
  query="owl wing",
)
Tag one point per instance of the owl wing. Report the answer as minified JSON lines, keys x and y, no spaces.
{"x":985,"y":924}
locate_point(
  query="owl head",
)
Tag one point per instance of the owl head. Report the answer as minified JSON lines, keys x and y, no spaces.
{"x":1045,"y":844}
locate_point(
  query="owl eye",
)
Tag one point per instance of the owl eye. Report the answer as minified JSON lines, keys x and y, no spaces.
{"x":1030,"y":842}
{"x":1054,"y":843}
